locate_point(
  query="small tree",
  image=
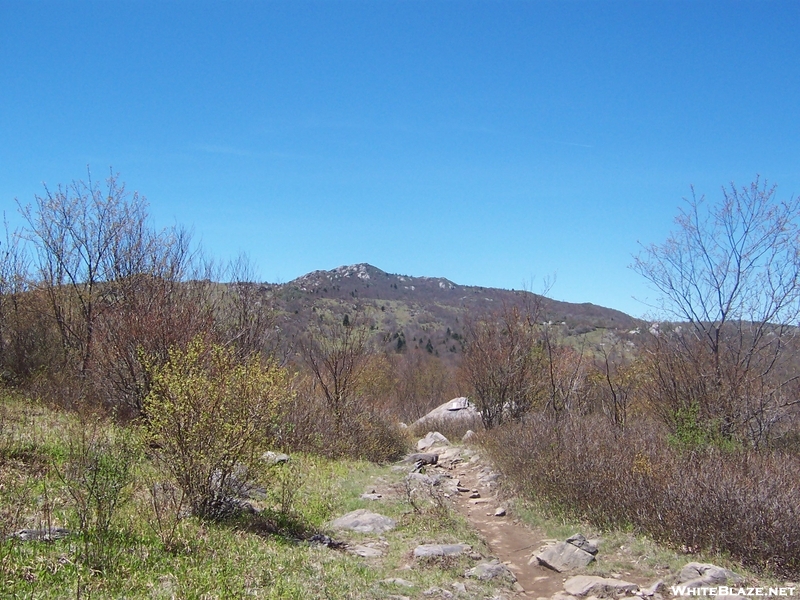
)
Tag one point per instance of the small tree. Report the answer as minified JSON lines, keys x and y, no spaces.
{"x":731,"y":272}
{"x":84,"y":235}
{"x":503,"y":364}
{"x":212,"y":416}
{"x":337,"y":355}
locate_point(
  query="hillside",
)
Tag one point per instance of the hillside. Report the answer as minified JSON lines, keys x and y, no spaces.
{"x":423,"y":312}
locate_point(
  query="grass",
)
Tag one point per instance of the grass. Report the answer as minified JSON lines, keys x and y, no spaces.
{"x":257,"y":557}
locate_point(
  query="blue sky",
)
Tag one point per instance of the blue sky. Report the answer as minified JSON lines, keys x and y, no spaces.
{"x":493,"y":143}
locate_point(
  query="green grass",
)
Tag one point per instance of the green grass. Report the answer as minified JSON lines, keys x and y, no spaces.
{"x":248,"y":557}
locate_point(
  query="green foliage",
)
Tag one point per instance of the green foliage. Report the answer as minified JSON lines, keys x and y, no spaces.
{"x":692,"y":431}
{"x":209,"y":415}
{"x":98,"y":476}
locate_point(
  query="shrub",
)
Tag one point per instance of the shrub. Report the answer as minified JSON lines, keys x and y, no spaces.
{"x":211,"y":417}
{"x":98,"y":475}
{"x":740,"y":502}
{"x":363,"y":431}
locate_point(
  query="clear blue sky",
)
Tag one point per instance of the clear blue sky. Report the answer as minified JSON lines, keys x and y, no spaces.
{"x":493,"y":143}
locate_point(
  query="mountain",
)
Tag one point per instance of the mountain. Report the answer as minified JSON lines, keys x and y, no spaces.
{"x":424,"y":312}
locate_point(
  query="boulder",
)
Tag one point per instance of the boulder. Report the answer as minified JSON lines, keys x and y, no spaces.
{"x":653,"y":589}
{"x":491,"y":570}
{"x":373,"y":495}
{"x":704,"y":574}
{"x":363,"y":521}
{"x":434,"y":438}
{"x":455,"y":410}
{"x":429,"y":550}
{"x":581,"y":542}
{"x":601,"y":587}
{"x":422,"y":458}
{"x":563,"y":556}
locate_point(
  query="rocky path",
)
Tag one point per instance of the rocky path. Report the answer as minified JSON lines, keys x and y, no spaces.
{"x":473,"y":487}
{"x":508,"y":539}
{"x":521,"y":562}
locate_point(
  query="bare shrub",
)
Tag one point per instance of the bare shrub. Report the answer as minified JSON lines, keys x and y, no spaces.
{"x":346,"y":385}
{"x":616,"y":382}
{"x":168,"y":508}
{"x":743,"y":503}
{"x":337,"y":354}
{"x":422,"y":382}
{"x":98,"y":476}
{"x":504,"y":365}
{"x":452,"y":429}
{"x":364,"y":431}
{"x":244,"y":314}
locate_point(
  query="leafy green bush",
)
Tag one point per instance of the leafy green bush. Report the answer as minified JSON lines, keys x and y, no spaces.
{"x":211,"y":417}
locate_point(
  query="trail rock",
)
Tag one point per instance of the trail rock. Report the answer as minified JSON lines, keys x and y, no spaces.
{"x":703,"y":574}
{"x":422,"y":458}
{"x":365,"y":551}
{"x":438,"y":592}
{"x":434,"y":438}
{"x":428,"y":550}
{"x":327,"y":541}
{"x":563,"y":556}
{"x":275,"y":458}
{"x":653,"y":589}
{"x":491,"y":570}
{"x":602,"y":587}
{"x":489,"y":477}
{"x":40,"y":535}
{"x":397,"y":581}
{"x":419,"y":478}
{"x":363,"y":521}
{"x":468,"y":436}
{"x":373,"y":495}
{"x":581,"y":542}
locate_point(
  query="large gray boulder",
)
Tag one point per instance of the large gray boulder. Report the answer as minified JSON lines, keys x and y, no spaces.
{"x":363,"y":521}
{"x":563,"y":556}
{"x":455,"y":410}
{"x":703,"y":574}
{"x":600,"y":587}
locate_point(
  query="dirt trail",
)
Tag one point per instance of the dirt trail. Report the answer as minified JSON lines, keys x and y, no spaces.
{"x":508,"y":539}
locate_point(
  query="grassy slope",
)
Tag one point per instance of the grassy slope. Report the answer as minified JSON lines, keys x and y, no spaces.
{"x":204,"y":560}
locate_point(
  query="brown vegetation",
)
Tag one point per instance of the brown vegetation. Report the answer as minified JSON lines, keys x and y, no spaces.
{"x":744,"y":503}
